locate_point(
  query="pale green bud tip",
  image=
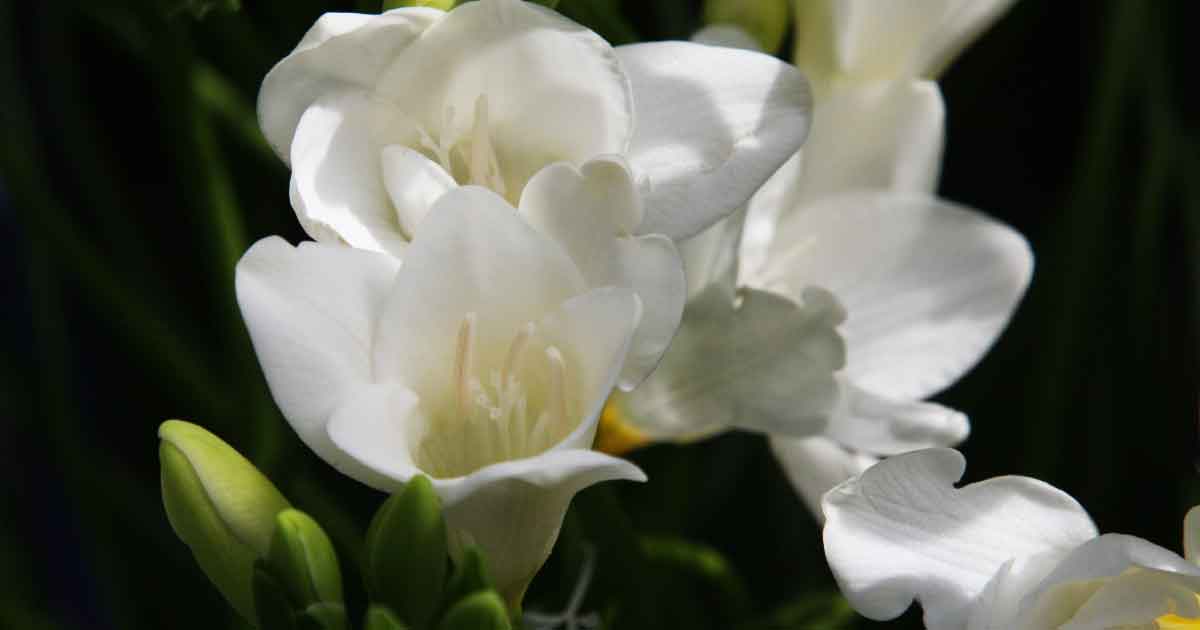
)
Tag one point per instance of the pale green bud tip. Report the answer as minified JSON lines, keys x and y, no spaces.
{"x":244,"y":499}
{"x":303,"y":559}
{"x":484,"y":610}
{"x":219,"y":505}
{"x":444,"y":5}
{"x":764,"y":20}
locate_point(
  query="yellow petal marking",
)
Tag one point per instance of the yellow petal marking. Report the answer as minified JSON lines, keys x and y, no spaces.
{"x":1175,"y":622}
{"x":616,"y":435}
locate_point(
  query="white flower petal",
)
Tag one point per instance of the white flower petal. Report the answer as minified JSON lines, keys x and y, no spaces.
{"x":873,"y":136}
{"x":414,"y":183}
{"x":815,"y":465}
{"x":713,"y":124}
{"x":893,"y":38}
{"x":1110,"y":581}
{"x":555,"y":90}
{"x":867,"y":422}
{"x":726,"y":35}
{"x":337,"y":178}
{"x":711,"y":258}
{"x":342,"y":51}
{"x":594,"y":332}
{"x":766,"y":365}
{"x":885,"y":135}
{"x":513,"y":510}
{"x":592,"y":212}
{"x":1191,"y":535}
{"x":310,"y":312}
{"x":472,"y":254}
{"x":1136,"y":599}
{"x":374,"y":431}
{"x":942,"y":545}
{"x":928,"y":286}
{"x":1112,"y":554}
{"x":998,"y":607}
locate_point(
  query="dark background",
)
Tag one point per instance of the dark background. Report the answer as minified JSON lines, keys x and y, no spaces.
{"x":132,"y":177}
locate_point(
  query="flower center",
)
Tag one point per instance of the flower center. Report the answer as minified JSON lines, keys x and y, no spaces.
{"x":469,"y":158}
{"x":1173,"y":621}
{"x":518,"y":411}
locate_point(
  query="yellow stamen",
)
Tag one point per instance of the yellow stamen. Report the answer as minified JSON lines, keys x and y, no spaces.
{"x":616,"y":435}
{"x":1175,"y":622}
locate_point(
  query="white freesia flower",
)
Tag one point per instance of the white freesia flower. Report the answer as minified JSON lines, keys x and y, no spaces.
{"x":482,"y":362}
{"x":848,"y":296}
{"x":838,"y":39}
{"x":931,"y":285}
{"x":492,"y":91}
{"x":1010,"y":553}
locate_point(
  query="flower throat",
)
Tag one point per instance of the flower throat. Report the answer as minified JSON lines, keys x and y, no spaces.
{"x":469,"y":158}
{"x":491,"y":420}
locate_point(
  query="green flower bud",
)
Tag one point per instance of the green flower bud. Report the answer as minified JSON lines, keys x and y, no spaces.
{"x":764,"y":20}
{"x":274,"y":611}
{"x":220,"y":505}
{"x":482,"y":611}
{"x":444,"y":5}
{"x":381,"y":618}
{"x":302,"y":558}
{"x":406,"y":560}
{"x":470,"y":576}
{"x":323,"y":616}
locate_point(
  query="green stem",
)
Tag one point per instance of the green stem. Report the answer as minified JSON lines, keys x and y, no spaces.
{"x":223,"y":100}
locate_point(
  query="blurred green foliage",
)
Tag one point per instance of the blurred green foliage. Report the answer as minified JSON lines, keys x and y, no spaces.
{"x":133,"y":176}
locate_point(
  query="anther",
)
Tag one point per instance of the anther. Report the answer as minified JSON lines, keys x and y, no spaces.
{"x":515,"y":351}
{"x":463,"y":363}
{"x":483,"y":166}
{"x":556,"y":403}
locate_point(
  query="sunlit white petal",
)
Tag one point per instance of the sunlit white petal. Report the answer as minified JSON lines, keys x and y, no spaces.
{"x":310,"y":311}
{"x":713,"y":124}
{"x":593,"y":212}
{"x":870,"y":423}
{"x":765,"y":364}
{"x":889,"y":38}
{"x":942,"y":545}
{"x":342,"y":51}
{"x":928,"y":286}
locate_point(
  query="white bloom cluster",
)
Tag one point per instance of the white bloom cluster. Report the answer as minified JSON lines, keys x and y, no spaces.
{"x":512,"y":219}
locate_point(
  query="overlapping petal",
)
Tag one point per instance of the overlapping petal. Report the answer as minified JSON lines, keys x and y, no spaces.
{"x":1130,"y":600}
{"x":765,"y":364}
{"x":943,"y":545}
{"x":338,"y":188}
{"x":593,"y":212}
{"x":555,"y":90}
{"x":713,"y":124}
{"x":474,"y":254}
{"x":928,"y":286}
{"x":310,"y":311}
{"x":341,"y":52}
{"x":894,"y":38}
{"x":413,"y":183}
{"x":869,"y":423}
